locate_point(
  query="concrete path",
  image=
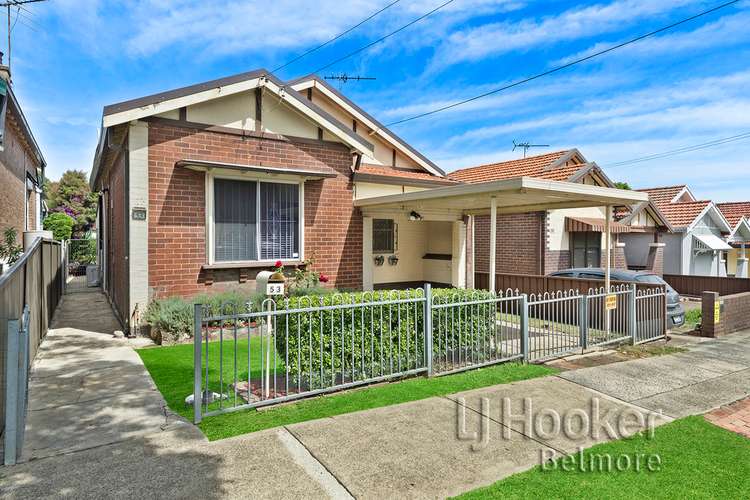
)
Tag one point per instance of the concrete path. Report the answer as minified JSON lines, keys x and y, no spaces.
{"x":98,"y":427}
{"x":714,"y":372}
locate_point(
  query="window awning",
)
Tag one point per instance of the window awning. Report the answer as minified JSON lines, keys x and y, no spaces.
{"x":711,"y":242}
{"x":588,"y":224}
{"x":307,"y":173}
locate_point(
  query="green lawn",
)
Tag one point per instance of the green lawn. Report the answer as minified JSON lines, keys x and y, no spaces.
{"x":698,"y":460}
{"x":172,"y":370}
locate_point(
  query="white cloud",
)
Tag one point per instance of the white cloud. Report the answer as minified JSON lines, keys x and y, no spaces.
{"x":727,"y":31}
{"x":581,"y":22}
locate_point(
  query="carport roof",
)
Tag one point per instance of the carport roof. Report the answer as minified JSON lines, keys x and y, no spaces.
{"x":518,"y":195}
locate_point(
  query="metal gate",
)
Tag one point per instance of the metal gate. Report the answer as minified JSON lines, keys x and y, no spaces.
{"x":80,"y":255}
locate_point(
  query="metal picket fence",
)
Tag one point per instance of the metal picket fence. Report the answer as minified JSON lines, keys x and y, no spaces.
{"x":296,"y":347}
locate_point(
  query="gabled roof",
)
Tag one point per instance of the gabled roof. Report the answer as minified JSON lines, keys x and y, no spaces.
{"x":626,"y":215}
{"x":734,"y":211}
{"x":567,"y":165}
{"x":141,"y":107}
{"x":366,"y":119}
{"x":740,"y":231}
{"x":682,"y":215}
{"x":667,"y":194}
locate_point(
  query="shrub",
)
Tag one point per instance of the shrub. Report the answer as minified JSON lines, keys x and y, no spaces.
{"x":351,"y":343}
{"x":693,"y":316}
{"x":10,"y":250}
{"x":171,"y":318}
{"x":83,"y":251}
{"x":60,"y":224}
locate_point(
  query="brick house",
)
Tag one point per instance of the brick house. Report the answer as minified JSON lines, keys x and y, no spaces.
{"x":697,"y":244}
{"x":738,"y":216}
{"x":545,"y":241}
{"x":21,"y":165}
{"x":174,"y":168}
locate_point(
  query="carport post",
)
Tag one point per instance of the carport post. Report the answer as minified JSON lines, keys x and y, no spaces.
{"x":197,"y":390}
{"x":608,"y":245}
{"x":493,"y":241}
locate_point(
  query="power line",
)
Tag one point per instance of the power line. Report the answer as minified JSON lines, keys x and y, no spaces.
{"x":336,"y":37}
{"x":678,"y":151}
{"x":365,"y":47}
{"x":564,"y":66}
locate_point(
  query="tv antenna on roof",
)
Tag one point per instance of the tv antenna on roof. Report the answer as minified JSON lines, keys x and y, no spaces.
{"x":343,"y":78}
{"x":526,"y":145}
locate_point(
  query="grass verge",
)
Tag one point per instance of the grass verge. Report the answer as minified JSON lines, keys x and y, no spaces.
{"x":698,"y":460}
{"x":172,"y":370}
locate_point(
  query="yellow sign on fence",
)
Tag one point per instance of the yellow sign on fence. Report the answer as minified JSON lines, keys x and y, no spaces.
{"x":610,"y":303}
{"x":717,"y":312}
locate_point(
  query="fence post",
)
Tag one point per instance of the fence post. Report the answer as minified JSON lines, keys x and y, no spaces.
{"x":428,"y":327}
{"x":11,"y":393}
{"x":632,"y":316}
{"x":197,"y":389}
{"x":524,"y":324}
{"x":583,"y":321}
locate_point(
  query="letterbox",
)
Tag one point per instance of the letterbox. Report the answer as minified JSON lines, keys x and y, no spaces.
{"x":270,"y":283}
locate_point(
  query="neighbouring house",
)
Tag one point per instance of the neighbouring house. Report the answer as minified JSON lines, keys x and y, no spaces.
{"x":738,"y":216}
{"x":542,"y":241}
{"x":697,"y":246}
{"x":204,"y":186}
{"x":644,"y":243}
{"x":21,"y":165}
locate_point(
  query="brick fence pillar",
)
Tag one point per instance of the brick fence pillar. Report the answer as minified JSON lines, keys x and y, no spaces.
{"x":655,"y":262}
{"x":709,"y":326}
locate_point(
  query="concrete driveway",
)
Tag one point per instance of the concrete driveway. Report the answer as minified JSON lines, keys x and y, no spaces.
{"x":712,"y":373}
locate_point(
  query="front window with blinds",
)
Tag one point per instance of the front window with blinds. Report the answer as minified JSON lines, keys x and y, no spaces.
{"x":255,"y":220}
{"x":587,"y":249}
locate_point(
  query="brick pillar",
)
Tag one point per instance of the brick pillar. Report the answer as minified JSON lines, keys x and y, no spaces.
{"x":618,"y":257}
{"x":655,"y":261}
{"x":709,"y":326}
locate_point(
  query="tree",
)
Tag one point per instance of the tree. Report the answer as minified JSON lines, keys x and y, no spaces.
{"x":60,"y":224}
{"x":623,"y":185}
{"x":72,"y":196}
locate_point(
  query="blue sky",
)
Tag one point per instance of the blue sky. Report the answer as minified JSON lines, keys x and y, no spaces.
{"x":687,"y":86}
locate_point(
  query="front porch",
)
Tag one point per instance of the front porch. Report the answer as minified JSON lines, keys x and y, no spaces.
{"x":428,"y":236}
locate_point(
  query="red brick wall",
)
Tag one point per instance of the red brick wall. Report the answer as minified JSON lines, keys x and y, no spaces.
{"x":733,"y":315}
{"x":177,"y":233}
{"x":15,"y":160}
{"x":517,"y":243}
{"x":556,"y":260}
{"x":115,"y":233}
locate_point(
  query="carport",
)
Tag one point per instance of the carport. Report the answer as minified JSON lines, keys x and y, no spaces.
{"x":457,"y":204}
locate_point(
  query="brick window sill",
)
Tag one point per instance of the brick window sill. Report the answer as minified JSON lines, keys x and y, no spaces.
{"x":248,"y":264}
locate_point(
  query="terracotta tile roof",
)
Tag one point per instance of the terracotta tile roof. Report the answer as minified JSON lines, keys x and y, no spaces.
{"x":533,"y":166}
{"x":662,"y":195}
{"x":735,"y":211}
{"x":417,"y":175}
{"x":684,"y":213}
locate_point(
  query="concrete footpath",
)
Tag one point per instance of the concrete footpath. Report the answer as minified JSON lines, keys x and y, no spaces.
{"x":98,"y":428}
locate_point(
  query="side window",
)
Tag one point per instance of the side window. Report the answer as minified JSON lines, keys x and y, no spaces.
{"x":384,"y":236}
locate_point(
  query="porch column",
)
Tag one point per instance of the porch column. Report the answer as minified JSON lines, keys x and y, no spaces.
{"x":458,"y":267}
{"x":493,"y":241}
{"x":367,"y":254}
{"x":608,"y":245}
{"x":741,"y":271}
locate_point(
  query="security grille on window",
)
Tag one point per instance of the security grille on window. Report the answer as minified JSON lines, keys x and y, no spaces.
{"x":383,"y":236}
{"x":587,"y":249}
{"x":255,"y":220}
